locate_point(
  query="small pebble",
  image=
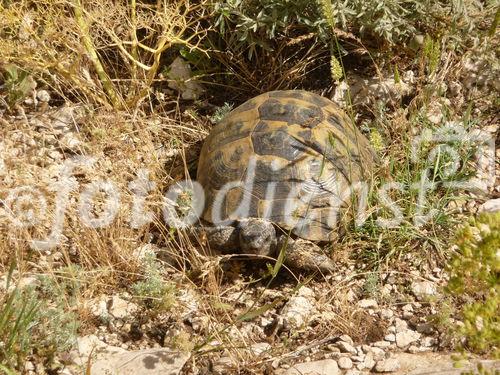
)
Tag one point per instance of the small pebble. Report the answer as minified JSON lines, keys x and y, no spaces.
{"x":386,"y":313}
{"x":400,"y":325}
{"x":43,"y":96}
{"x":345,"y":347}
{"x":391,"y":337}
{"x":381,"y":344}
{"x":407,"y":337}
{"x":344,"y":363}
{"x":387,"y":365}
{"x":347,"y":339}
{"x":367,"y":303}
{"x":358,"y":358}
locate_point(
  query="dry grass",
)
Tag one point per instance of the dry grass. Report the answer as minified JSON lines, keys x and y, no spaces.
{"x":120,"y":146}
{"x":290,"y":65}
{"x":98,"y":52}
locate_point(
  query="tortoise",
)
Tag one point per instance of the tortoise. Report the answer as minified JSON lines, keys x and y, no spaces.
{"x":279,"y":164}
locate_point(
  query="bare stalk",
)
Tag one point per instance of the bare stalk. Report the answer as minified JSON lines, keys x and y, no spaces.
{"x":94,"y":58}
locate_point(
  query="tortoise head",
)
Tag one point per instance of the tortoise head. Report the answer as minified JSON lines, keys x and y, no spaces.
{"x":257,"y":236}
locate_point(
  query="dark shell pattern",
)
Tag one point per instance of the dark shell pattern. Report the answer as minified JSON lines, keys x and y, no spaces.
{"x":284,"y":156}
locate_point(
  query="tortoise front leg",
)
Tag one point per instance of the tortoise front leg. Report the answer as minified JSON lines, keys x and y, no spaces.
{"x":305,"y":255}
{"x":222,"y":238}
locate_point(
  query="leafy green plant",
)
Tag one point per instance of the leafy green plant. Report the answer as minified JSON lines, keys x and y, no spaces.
{"x":258,"y":42}
{"x":60,"y":324}
{"x":252,"y":23}
{"x":481,"y":370}
{"x":474,"y":277}
{"x":432,"y":53}
{"x":371,"y":286}
{"x":31,"y":323}
{"x":221,"y":112}
{"x":17,"y":84}
{"x":18,"y":315}
{"x":153,"y":292}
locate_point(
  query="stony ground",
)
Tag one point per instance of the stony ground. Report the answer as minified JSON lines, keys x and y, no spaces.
{"x":345,"y":323}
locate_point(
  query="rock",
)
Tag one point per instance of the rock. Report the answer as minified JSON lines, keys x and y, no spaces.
{"x":29,"y":366}
{"x":223,"y":365}
{"x":353,"y":372}
{"x":407,"y":315}
{"x":387,"y":365}
{"x":407,"y":307}
{"x":66,"y":117}
{"x":381,"y":344}
{"x":323,"y":367}
{"x":28,"y":282}
{"x":55,"y":155}
{"x":369,"y":361}
{"x":99,"y":307}
{"x":400,"y":325}
{"x":457,"y":205}
{"x":120,"y":308}
{"x":386,"y":290}
{"x":405,"y":338}
{"x":346,"y":347}
{"x":435,"y":113}
{"x":351,"y":296}
{"x":428,"y":341}
{"x":423,"y":289}
{"x":455,"y":88}
{"x":486,"y":173}
{"x":23,"y":283}
{"x":340,"y":96}
{"x":358,"y":358}
{"x":493,"y":205}
{"x":347,"y":339}
{"x":187,"y":301}
{"x":300,"y":308}
{"x":367,"y":303}
{"x":391,"y":337}
{"x":43,"y":96}
{"x":260,"y":348}
{"x":417,"y":41}
{"x":181,"y":80}
{"x":479,"y":73}
{"x":425,"y":328}
{"x":333,"y":348}
{"x":90,"y":345}
{"x":413,"y":349}
{"x":436,"y":364}
{"x":70,"y":142}
{"x":344,"y":363}
{"x":378,"y":354}
{"x":144,"y":362}
{"x":360,"y":366}
{"x":368,"y":90}
{"x":386,"y":314}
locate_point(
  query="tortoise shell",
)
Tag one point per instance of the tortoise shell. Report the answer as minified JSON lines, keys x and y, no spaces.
{"x":287,"y":156}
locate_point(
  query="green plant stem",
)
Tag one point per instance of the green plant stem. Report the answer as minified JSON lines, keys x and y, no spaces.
{"x":94,"y":58}
{"x":494,"y":25}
